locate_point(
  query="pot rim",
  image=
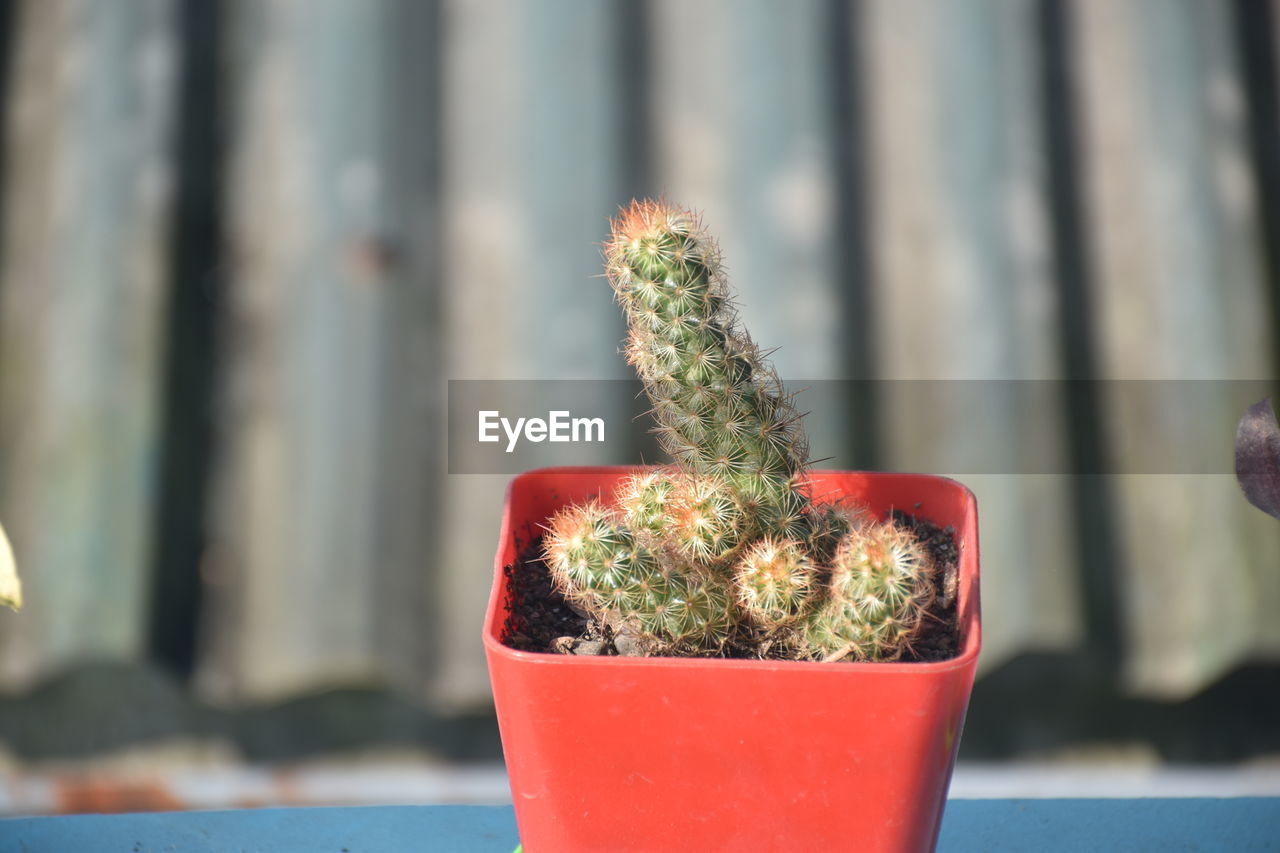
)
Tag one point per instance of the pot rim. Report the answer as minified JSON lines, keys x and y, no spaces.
{"x":970,"y":619}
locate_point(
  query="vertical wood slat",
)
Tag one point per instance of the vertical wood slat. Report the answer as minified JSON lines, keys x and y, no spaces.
{"x":88,"y":178}
{"x":1179,"y":296}
{"x":741,"y":97}
{"x":964,"y":294}
{"x":323,"y":512}
{"x":531,"y":124}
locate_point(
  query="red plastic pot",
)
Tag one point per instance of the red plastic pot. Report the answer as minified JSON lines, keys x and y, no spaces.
{"x":698,"y":755}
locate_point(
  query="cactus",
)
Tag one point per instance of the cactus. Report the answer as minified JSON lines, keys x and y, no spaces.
{"x":721,"y":410}
{"x":880,"y":587}
{"x":726,"y":544}
{"x":774,"y":581}
{"x":605,"y":568}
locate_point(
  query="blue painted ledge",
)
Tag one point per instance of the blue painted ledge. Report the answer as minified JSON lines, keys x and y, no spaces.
{"x":993,"y":826}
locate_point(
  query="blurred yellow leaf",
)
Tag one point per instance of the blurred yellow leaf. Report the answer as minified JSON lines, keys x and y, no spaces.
{"x":10,"y":586}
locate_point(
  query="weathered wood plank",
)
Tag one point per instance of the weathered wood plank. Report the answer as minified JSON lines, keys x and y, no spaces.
{"x":1179,"y":296}
{"x":323,"y":517}
{"x":534,"y":171}
{"x":87,"y":193}
{"x":964,"y":291}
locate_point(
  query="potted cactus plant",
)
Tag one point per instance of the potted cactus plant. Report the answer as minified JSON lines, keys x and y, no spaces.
{"x":756,"y":679}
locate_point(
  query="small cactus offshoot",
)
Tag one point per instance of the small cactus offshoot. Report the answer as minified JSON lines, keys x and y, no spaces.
{"x":880,"y":587}
{"x":775,"y":581}
{"x":726,"y":543}
{"x":605,"y":568}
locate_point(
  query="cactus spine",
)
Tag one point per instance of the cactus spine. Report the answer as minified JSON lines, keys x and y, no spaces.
{"x":726,"y":543}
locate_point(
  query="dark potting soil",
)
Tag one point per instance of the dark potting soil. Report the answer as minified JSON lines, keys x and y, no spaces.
{"x":539,"y":619}
{"x":939,"y":637}
{"x":537,"y":614}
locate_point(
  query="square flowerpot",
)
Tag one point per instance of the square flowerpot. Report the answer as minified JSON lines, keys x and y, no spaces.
{"x":699,"y":754}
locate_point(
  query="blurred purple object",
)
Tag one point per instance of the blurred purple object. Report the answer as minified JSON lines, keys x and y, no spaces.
{"x":1258,"y":457}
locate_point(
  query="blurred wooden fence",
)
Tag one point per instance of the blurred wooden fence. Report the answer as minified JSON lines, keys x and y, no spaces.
{"x":245,"y":243}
